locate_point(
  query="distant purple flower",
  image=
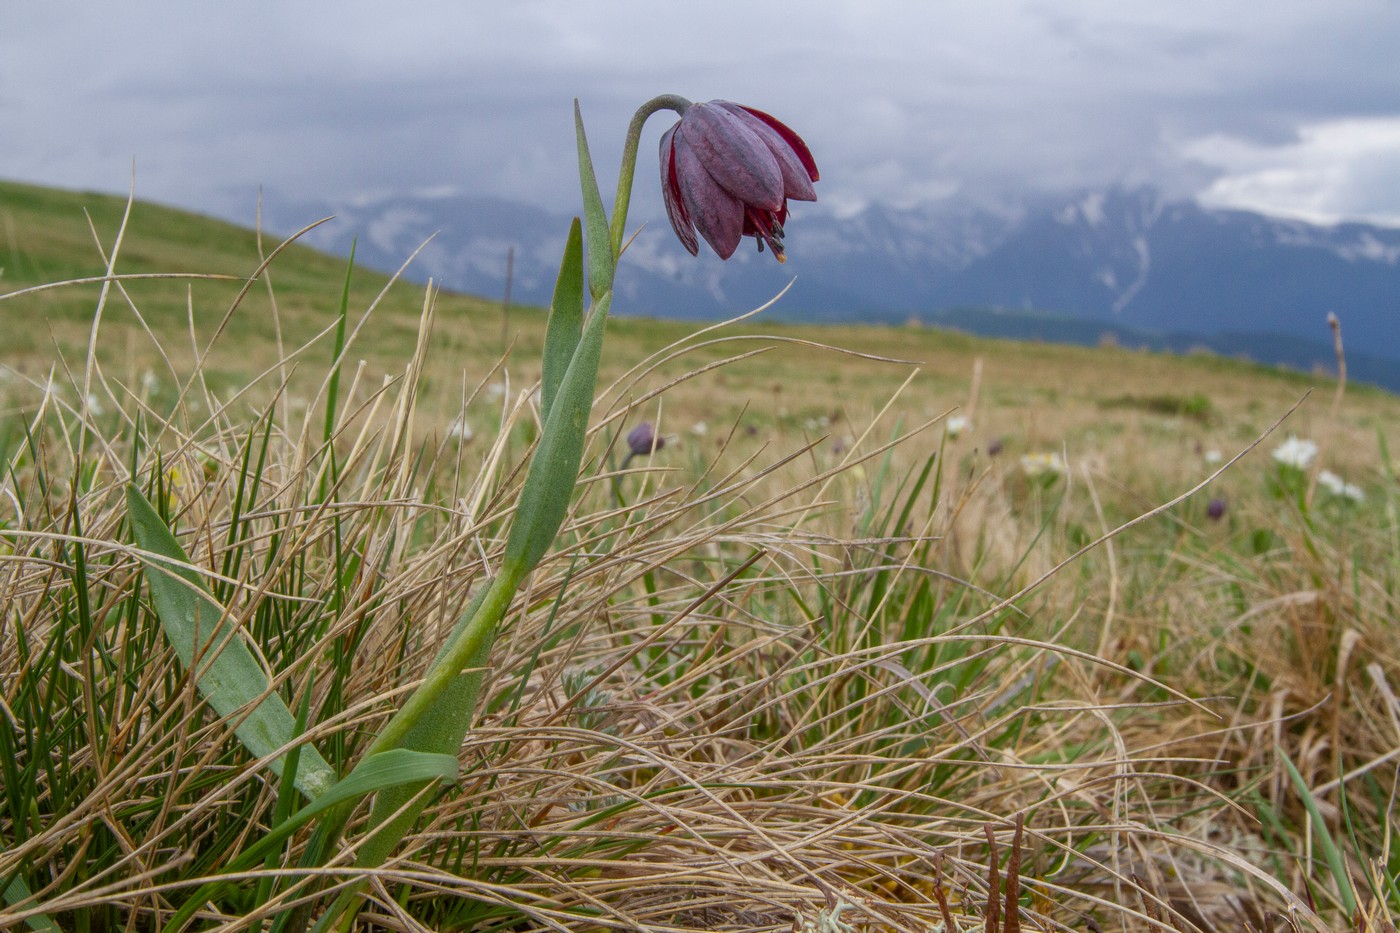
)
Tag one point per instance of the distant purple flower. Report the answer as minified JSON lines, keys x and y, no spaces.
{"x":728,"y":171}
{"x":1216,"y":509}
{"x":643,"y":440}
{"x":994,"y":447}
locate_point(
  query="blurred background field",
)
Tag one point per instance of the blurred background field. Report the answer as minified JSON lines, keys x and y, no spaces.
{"x":1031,"y":396}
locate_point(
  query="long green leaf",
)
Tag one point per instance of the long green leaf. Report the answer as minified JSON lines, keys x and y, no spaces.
{"x":228,"y":675}
{"x":17,"y":892}
{"x":601,"y":261}
{"x":549,"y":485}
{"x":375,"y":774}
{"x":440,"y":730}
{"x":1335,"y":863}
{"x":565,"y":326}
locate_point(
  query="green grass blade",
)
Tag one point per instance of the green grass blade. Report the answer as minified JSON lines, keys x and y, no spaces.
{"x":565,"y":319}
{"x":549,"y":485}
{"x":286,"y":795}
{"x":1335,"y":862}
{"x":333,"y":388}
{"x":228,"y":675}
{"x":601,"y":261}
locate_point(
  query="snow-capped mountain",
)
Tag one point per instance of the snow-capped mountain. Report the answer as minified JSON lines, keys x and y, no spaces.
{"x":1124,"y":259}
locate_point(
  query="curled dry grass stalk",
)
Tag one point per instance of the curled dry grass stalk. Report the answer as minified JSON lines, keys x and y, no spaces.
{"x":755,"y":695}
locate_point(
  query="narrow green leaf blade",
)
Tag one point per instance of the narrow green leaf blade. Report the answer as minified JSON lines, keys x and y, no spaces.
{"x":595,"y":219}
{"x":565,"y":326}
{"x":549,"y":485}
{"x":17,"y":892}
{"x":440,"y":731}
{"x":1335,"y":863}
{"x":227,"y":674}
{"x":375,"y":773}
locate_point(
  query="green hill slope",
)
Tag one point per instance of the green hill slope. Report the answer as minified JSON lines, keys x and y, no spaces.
{"x":52,"y":236}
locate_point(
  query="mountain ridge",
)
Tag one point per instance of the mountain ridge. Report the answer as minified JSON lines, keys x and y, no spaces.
{"x":1127,"y":259}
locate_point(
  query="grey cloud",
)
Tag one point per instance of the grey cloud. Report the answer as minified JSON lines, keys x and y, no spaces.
{"x":900,"y":100}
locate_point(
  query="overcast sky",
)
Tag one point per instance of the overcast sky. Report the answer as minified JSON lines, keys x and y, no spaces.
{"x":1289,"y":106}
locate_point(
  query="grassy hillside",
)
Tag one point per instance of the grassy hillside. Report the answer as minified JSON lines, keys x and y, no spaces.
{"x":775,"y":675}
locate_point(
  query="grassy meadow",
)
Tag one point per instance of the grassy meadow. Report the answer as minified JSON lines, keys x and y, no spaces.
{"x":900,"y":629}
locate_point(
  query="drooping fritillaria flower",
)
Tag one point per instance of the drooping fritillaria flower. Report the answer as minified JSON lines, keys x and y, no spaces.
{"x":728,"y":171}
{"x":1215,"y":509}
{"x":643,"y":440}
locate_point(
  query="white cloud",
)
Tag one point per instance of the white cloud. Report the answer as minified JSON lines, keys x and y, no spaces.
{"x":1333,"y":170}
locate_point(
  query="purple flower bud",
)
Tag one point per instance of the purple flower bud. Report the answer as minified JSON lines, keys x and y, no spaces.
{"x":1216,"y":509}
{"x":643,"y":440}
{"x":728,"y":171}
{"x":994,"y":446}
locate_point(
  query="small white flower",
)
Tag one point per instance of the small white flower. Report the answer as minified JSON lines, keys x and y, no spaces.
{"x":1340,"y":487}
{"x":496,"y":390}
{"x":149,"y":383}
{"x":1213,"y":457}
{"x":699,"y":429}
{"x":1296,"y":452}
{"x":1042,"y":464}
{"x":94,"y":405}
{"x":956,"y":425}
{"x":459,"y":430}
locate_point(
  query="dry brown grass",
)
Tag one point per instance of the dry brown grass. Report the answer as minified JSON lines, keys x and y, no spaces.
{"x":748,"y":690}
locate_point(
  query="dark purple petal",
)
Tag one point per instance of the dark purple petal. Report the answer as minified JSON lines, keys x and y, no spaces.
{"x":796,"y":181}
{"x":794,"y":141}
{"x":671,"y":194}
{"x":717,"y":214}
{"x":734,"y":155}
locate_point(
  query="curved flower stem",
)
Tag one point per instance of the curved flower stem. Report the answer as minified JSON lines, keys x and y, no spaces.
{"x":629,"y":160}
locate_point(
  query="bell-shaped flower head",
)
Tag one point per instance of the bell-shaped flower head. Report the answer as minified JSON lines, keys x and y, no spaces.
{"x":728,"y":171}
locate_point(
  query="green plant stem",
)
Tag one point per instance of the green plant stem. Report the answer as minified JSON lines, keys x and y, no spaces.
{"x":440,"y":676}
{"x":629,"y":160}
